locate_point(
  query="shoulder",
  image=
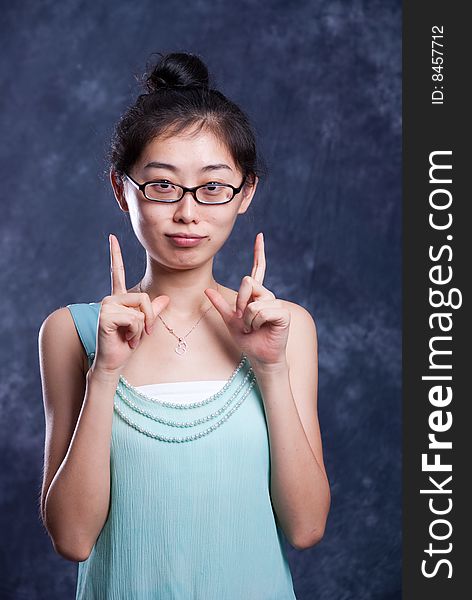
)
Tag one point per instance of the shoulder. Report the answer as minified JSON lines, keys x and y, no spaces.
{"x":56,"y":321}
{"x":58,"y":335}
{"x":299,"y":315}
{"x":57,"y":328}
{"x":303,"y":334}
{"x":62,"y":318}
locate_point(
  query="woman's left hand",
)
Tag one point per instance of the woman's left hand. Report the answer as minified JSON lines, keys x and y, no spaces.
{"x":260,"y":323}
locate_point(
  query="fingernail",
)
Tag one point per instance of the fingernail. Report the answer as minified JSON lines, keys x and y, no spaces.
{"x":239,"y":313}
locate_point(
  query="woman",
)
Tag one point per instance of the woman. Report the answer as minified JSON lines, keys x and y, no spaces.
{"x":184,"y":483}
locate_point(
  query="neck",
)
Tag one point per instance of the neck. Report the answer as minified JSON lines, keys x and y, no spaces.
{"x":184,"y":288}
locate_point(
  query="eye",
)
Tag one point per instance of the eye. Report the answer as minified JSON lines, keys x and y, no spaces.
{"x":213,"y":184}
{"x":163,"y":185}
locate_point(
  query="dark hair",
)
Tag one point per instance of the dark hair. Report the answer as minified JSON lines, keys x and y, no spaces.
{"x":179,"y":96}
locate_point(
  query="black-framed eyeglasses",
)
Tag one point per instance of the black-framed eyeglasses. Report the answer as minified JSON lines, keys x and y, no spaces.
{"x":164,"y":190}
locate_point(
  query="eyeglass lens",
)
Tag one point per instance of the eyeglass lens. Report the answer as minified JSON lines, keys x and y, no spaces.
{"x":169,"y":192}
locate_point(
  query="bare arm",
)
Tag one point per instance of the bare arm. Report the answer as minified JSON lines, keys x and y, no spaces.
{"x":78,"y":409}
{"x":78,"y":414}
{"x":284,"y":356}
{"x":299,"y":485}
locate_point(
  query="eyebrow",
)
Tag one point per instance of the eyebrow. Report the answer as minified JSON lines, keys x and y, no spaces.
{"x":160,"y":165}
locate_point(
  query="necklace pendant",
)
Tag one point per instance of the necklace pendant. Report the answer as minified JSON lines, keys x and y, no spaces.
{"x":181,"y":347}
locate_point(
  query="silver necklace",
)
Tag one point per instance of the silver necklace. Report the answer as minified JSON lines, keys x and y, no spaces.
{"x":182,"y":345}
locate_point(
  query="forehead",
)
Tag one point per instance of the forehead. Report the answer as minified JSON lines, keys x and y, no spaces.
{"x":188,"y":151}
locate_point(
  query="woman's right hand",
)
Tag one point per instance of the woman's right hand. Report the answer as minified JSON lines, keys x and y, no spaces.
{"x":124,"y":317}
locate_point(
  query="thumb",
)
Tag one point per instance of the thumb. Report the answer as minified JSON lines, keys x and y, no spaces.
{"x":158,"y":304}
{"x":220,"y":304}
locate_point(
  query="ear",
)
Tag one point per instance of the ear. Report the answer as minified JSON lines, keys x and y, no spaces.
{"x":247,"y":194}
{"x":118,"y":190}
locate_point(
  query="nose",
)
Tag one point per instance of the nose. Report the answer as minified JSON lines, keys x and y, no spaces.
{"x":186,"y":208}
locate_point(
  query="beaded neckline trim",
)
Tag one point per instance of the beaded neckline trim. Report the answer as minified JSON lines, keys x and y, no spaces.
{"x":195,"y":436}
{"x":169,"y":404}
{"x":208,"y":417}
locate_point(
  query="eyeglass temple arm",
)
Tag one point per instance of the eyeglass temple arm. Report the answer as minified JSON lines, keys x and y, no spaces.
{"x":135,"y":183}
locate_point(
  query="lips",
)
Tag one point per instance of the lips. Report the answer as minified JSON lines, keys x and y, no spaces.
{"x":185,"y":235}
{"x":185,"y":242}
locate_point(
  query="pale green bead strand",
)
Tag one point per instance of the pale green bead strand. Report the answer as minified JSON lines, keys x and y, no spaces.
{"x":212,"y":415}
{"x":190,"y":437}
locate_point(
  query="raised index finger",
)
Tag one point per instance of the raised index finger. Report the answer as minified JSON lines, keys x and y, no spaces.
{"x":117,"y":269}
{"x":259,"y":266}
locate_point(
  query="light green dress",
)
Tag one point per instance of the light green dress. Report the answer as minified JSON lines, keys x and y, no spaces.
{"x":190,"y":515}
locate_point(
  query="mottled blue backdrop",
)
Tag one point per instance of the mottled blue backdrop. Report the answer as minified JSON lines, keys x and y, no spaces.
{"x":321,"y":82}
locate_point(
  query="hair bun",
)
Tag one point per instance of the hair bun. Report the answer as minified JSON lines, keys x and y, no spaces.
{"x":178,"y":69}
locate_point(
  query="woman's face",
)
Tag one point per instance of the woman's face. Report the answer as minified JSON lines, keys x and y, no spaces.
{"x":190,"y":159}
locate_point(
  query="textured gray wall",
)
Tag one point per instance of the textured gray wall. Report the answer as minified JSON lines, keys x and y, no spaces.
{"x":321,"y":84}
